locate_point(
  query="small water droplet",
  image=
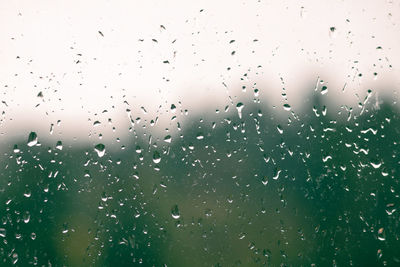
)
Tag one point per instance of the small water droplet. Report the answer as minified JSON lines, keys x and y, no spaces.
{"x":27,"y":217}
{"x":173,"y":108}
{"x":242,"y":235}
{"x":175,"y":212}
{"x":390,"y":208}
{"x":276,"y":174}
{"x":381,"y":234}
{"x":16,"y":149}
{"x":32,"y":139}
{"x":279,"y":128}
{"x":324,"y":90}
{"x":59,"y":145}
{"x":168,"y":139}
{"x":199,"y":136}
{"x":239,"y":108}
{"x":376,"y":165}
{"x":27,"y":193}
{"x":287,"y":107}
{"x":2,"y":232}
{"x":156,"y":157}
{"x":100,"y":150}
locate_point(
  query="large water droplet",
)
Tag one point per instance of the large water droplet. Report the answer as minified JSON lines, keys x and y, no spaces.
{"x":175,"y":212}
{"x":32,"y":139}
{"x":100,"y":150}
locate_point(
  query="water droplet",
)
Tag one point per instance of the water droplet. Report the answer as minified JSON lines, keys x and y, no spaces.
{"x":390,"y":208}
{"x":376,"y":165}
{"x":239,"y":108}
{"x":14,"y":258}
{"x":276,"y":174}
{"x":65,"y":228}
{"x":173,"y":108}
{"x":27,"y":217}
{"x":167,"y":139}
{"x":381,"y":234}
{"x":332,"y":31}
{"x":2,"y":232}
{"x":16,"y":149}
{"x":175,"y":212}
{"x":59,"y":145}
{"x":156,"y":157}
{"x":32,"y":139}
{"x":27,"y":193}
{"x":199,"y":136}
{"x":264,"y":180}
{"x":287,"y":107}
{"x":324,"y":90}
{"x":100,"y":150}
{"x":242,"y":235}
{"x":279,"y":128}
{"x":96,"y":123}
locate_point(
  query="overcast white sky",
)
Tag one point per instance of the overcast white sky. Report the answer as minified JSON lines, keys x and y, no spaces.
{"x":55,"y":47}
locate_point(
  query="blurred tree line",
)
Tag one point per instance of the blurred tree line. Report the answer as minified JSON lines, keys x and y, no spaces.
{"x":318,"y":188}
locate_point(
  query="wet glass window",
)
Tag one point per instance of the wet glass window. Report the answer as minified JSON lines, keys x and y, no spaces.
{"x":199,"y":133}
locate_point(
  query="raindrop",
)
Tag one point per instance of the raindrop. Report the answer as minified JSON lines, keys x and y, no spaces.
{"x":390,"y":209}
{"x":324,"y":90}
{"x":279,"y":128}
{"x":265,"y":180}
{"x":239,"y":108}
{"x":27,"y":193}
{"x":168,"y":139}
{"x":381,"y":234}
{"x":173,"y":108}
{"x":276,"y":174}
{"x":199,"y":136}
{"x":27,"y":217}
{"x":175,"y":212}
{"x":287,"y":107}
{"x":156,"y":157}
{"x":242,"y":235}
{"x":376,"y":165}
{"x":32,"y":139}
{"x":2,"y":232}
{"x":100,"y":150}
{"x":59,"y":145}
{"x":16,"y":149}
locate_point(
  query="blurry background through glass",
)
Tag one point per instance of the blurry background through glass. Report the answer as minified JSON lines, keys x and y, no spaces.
{"x":199,"y":133}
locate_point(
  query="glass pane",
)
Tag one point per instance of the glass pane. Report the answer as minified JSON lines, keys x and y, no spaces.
{"x":199,"y":133}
